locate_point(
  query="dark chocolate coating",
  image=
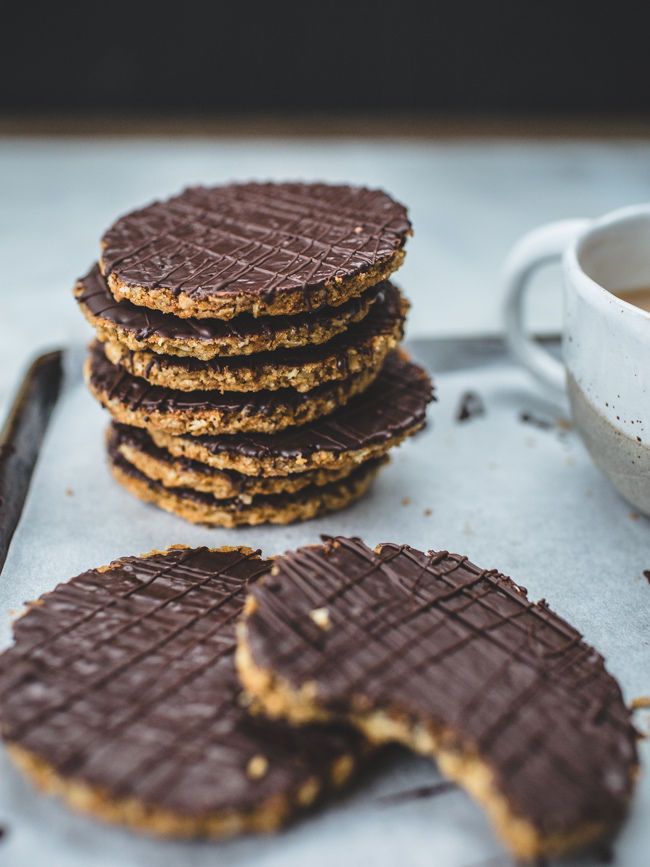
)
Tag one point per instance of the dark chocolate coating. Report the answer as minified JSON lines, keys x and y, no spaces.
{"x":144,"y":322}
{"x":440,"y":641}
{"x":124,"y":679}
{"x":255,"y":238}
{"x":383,"y":317}
{"x":395,"y":403}
{"x":137,"y":394}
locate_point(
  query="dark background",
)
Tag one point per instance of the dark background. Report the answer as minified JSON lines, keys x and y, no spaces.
{"x":449,"y":57}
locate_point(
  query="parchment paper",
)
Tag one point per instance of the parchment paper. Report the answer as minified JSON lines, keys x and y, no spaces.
{"x":510,"y":494}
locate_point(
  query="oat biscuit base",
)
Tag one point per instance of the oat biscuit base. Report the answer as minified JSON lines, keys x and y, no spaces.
{"x":390,"y":410}
{"x":362,"y":349}
{"x":260,"y":248}
{"x":119,"y":694}
{"x":136,"y":446}
{"x":133,"y":401}
{"x":200,"y":508}
{"x":455,"y":662}
{"x":142,"y":329}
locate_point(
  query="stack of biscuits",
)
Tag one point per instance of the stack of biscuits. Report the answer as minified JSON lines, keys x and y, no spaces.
{"x":248,"y":349}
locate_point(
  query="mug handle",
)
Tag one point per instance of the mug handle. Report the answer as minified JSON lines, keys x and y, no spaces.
{"x":537,"y":248}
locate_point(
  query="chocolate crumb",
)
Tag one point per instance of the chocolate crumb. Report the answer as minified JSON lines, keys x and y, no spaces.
{"x":536,"y":421}
{"x":3,"y":832}
{"x":471,"y":406}
{"x":428,"y":512}
{"x":419,"y":792}
{"x":646,"y":575}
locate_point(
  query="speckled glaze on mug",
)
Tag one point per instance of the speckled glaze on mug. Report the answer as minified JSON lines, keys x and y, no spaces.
{"x":606,"y":341}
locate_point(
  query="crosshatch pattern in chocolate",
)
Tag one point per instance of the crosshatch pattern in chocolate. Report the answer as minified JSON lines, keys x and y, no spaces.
{"x":442,"y":641}
{"x":254,"y":238}
{"x":124,"y":679}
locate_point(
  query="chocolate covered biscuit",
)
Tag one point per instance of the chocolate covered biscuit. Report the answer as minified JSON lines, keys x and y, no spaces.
{"x":120,"y":695}
{"x":132,"y":400}
{"x":137,"y":447}
{"x":361,"y":349}
{"x":391,"y":409}
{"x":142,"y":329}
{"x":312,"y":501}
{"x":457,"y":663}
{"x":260,"y":248}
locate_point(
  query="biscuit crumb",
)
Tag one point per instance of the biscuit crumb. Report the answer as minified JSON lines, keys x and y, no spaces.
{"x":428,"y":512}
{"x":244,"y":699}
{"x":342,"y":769}
{"x":308,"y":792}
{"x":257,"y":767}
{"x":640,"y":703}
{"x":321,"y":618}
{"x":69,"y":492}
{"x":406,"y":501}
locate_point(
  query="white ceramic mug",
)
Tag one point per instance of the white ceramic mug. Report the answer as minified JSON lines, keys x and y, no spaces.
{"x":606,"y":341}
